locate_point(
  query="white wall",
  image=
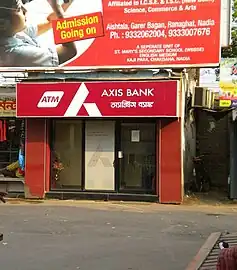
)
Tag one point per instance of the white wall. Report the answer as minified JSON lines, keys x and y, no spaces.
{"x":226,"y":22}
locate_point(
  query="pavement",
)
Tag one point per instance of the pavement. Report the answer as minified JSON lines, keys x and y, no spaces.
{"x":67,"y":235}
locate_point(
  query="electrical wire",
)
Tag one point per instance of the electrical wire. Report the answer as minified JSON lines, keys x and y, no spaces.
{"x":14,"y":9}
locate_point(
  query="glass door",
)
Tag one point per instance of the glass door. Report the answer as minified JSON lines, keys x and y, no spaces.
{"x":67,"y":154}
{"x":137,"y":157}
{"x":99,"y":155}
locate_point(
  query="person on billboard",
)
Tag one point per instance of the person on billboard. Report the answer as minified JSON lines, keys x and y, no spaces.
{"x":18,"y":44}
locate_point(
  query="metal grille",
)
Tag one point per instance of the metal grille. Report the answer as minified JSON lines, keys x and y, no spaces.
{"x":211,"y":259}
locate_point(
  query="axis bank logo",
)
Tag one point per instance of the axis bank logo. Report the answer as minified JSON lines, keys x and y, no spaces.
{"x":50,"y":99}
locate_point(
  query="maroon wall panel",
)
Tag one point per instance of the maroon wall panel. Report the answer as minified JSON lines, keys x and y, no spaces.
{"x":35,"y":174}
{"x":170,"y":163}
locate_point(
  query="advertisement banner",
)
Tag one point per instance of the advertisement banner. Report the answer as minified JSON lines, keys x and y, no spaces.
{"x":228,"y":83}
{"x":7,"y":108}
{"x":109,"y":34}
{"x":99,"y":99}
{"x":210,"y":78}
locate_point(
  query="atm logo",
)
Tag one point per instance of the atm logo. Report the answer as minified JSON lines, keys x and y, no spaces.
{"x":50,"y":99}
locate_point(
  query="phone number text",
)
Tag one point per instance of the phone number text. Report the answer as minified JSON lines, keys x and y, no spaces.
{"x":189,"y":32}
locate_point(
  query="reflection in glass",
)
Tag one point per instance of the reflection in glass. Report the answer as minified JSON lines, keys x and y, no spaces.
{"x":139,"y":156}
{"x":67,"y":154}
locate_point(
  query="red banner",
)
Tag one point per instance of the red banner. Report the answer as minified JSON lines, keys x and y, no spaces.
{"x":103,"y":99}
{"x":156,"y":33}
{"x":115,"y":34}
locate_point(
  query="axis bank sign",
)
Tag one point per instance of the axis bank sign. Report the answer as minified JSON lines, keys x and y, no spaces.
{"x":99,"y":99}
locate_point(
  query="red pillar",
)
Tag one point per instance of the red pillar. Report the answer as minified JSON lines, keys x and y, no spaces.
{"x":158,"y":125}
{"x":47,"y":156}
{"x":170,"y":162}
{"x":37,"y":151}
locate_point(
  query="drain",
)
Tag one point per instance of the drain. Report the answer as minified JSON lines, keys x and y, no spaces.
{"x":215,"y":214}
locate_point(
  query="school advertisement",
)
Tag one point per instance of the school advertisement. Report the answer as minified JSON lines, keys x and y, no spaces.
{"x":79,"y":34}
{"x":228,"y":82}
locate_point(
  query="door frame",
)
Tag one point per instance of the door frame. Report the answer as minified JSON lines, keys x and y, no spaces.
{"x":118,"y":146}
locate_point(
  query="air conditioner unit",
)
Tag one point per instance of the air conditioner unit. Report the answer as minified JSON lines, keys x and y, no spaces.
{"x":216,"y":101}
{"x":199,"y":97}
{"x":210,"y":99}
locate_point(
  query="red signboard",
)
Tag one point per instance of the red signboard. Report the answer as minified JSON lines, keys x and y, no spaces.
{"x":99,"y":99}
{"x":134,"y":33}
{"x":156,"y":33}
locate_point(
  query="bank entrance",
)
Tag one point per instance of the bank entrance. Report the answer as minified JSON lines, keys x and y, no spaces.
{"x":104,"y":155}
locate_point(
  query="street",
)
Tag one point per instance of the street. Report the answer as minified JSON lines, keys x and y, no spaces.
{"x":106,"y":236}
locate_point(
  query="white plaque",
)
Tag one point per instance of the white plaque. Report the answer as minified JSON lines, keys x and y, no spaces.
{"x":135,"y":136}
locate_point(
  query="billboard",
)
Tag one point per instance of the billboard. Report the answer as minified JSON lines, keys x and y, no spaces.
{"x":228,"y":83}
{"x":110,"y":34}
{"x":210,"y":78}
{"x":98,"y":99}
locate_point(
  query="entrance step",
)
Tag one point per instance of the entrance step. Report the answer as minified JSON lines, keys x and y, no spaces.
{"x":101,"y":196}
{"x":12,"y":185}
{"x":206,"y":259}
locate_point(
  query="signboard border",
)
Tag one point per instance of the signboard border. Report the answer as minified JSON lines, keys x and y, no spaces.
{"x":105,"y":68}
{"x":62,"y":68}
{"x":178,"y":97}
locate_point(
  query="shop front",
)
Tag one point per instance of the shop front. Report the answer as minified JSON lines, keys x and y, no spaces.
{"x":12,"y":131}
{"x":104,"y":155}
{"x":105,"y":140}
